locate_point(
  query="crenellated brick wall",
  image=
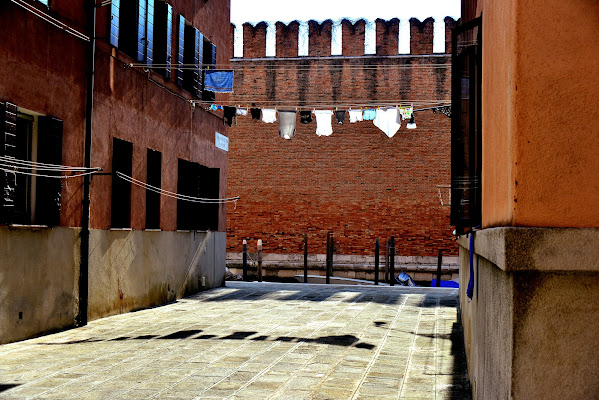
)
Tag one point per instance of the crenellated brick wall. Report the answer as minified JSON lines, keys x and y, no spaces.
{"x":358,"y":182}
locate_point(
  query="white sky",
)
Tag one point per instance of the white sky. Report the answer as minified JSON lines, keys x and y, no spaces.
{"x":255,"y":11}
{"x":320,"y":10}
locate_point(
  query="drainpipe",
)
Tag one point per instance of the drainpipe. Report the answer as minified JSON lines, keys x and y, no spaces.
{"x":81,"y":318}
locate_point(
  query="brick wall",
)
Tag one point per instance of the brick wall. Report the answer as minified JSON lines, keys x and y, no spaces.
{"x":358,"y":183}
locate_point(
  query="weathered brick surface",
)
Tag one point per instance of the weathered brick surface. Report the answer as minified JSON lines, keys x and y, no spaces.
{"x":450,"y":23}
{"x":254,"y":40}
{"x":387,"y":37}
{"x":358,"y":183}
{"x":287,"y":39}
{"x":352,"y":42}
{"x":319,"y":44}
{"x":421,"y":36}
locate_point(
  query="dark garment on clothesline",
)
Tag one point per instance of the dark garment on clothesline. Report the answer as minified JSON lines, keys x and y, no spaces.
{"x":340,"y":115}
{"x":229,"y":113}
{"x":255,"y":113}
{"x":306,"y":117}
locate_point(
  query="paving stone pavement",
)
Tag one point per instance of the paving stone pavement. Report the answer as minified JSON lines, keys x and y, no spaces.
{"x":255,"y":341}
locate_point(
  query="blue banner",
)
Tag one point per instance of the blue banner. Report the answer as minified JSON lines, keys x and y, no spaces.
{"x":218,"y":81}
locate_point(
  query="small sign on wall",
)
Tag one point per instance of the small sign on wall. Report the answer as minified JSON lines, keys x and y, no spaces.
{"x":221,"y":141}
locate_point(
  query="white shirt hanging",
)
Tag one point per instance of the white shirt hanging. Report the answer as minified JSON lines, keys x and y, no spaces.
{"x":387,"y":120}
{"x":269,"y":115}
{"x":355,"y":116}
{"x":323,"y":122}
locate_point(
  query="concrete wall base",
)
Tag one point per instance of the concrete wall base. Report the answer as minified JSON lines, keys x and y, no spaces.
{"x":128,"y":270}
{"x":531,"y":324}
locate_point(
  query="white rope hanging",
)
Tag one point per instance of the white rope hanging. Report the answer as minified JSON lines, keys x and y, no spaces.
{"x":30,"y":168}
{"x":176,"y":195}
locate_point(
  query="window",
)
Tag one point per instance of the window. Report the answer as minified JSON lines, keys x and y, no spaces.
{"x":189,"y":52}
{"x":29,"y":198}
{"x":197,"y":181}
{"x":466,"y":127}
{"x":122,"y":161}
{"x":154,"y":166}
{"x":163,"y":37}
{"x":208,"y":61}
{"x":132,"y":28}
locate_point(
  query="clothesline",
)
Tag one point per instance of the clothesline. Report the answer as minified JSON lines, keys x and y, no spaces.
{"x":31,"y":168}
{"x":176,"y":195}
{"x":293,"y":105}
{"x":294,"y":67}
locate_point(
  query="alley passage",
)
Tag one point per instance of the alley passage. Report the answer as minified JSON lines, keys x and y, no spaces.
{"x":255,"y":341}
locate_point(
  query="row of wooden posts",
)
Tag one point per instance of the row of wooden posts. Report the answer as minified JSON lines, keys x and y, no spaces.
{"x":389,"y":260}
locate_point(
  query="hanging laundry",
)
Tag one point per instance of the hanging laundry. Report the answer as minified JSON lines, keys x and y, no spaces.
{"x":406,"y":112}
{"x":355,"y":116}
{"x":340,"y":116}
{"x":215,"y":107}
{"x":323,"y":122}
{"x":387,"y":120}
{"x":369,"y":114}
{"x":287,"y":124}
{"x":269,"y":115}
{"x":242,"y":111}
{"x":305,"y":117}
{"x":229,"y":113}
{"x":255,"y":113}
{"x":219,"y":81}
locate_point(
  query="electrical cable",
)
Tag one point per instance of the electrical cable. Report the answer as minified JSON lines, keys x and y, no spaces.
{"x":176,"y":195}
{"x":51,"y":20}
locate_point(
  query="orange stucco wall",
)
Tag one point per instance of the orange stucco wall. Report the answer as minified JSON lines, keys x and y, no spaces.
{"x":540,"y":119}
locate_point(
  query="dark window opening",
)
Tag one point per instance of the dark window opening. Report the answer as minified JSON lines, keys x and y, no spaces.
{"x":29,"y":198}
{"x":131,"y":23}
{"x":154,"y":160}
{"x":466,"y":127}
{"x":193,"y":43}
{"x":198,"y":181}
{"x":128,"y":27}
{"x":209,"y":62}
{"x":162,"y":38}
{"x":122,"y":161}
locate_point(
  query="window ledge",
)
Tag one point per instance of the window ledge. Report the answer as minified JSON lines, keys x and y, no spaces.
{"x":183,"y":230}
{"x":28,"y":227}
{"x":153,"y":230}
{"x":121,"y":229}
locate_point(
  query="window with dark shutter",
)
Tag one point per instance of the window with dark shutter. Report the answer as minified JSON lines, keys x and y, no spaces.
{"x":150,"y":32}
{"x":197,"y":61}
{"x":49,"y":150}
{"x":198,"y":181}
{"x":466,"y":127}
{"x":162,"y":37}
{"x":209,"y":62}
{"x":154,"y":160}
{"x":208,"y":188}
{"x":142,"y":9}
{"x":8,"y":141}
{"x":185,"y":186}
{"x":191,"y":56}
{"x":122,"y":161}
{"x":180,"y":50}
{"x":114,"y":22}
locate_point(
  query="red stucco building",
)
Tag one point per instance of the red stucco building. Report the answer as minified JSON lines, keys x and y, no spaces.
{"x":62,"y":261}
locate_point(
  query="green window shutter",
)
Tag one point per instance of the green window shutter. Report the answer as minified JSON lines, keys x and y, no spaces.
{"x":180,"y":50}
{"x":141,"y":29}
{"x":150,"y":33}
{"x":8,"y":148}
{"x":49,"y":150}
{"x":197,"y":59}
{"x":114,"y":23}
{"x":169,"y":39}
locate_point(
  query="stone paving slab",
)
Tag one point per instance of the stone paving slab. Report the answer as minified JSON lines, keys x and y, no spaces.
{"x":255,"y":341}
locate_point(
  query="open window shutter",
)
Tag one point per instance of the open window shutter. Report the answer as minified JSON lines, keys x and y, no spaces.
{"x":8,"y":140}
{"x":213,"y":63}
{"x":114,"y":22}
{"x":150,"y":33}
{"x":49,"y":150}
{"x":197,"y":59}
{"x":180,"y":49}
{"x":169,"y":39}
{"x":141,"y":29}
